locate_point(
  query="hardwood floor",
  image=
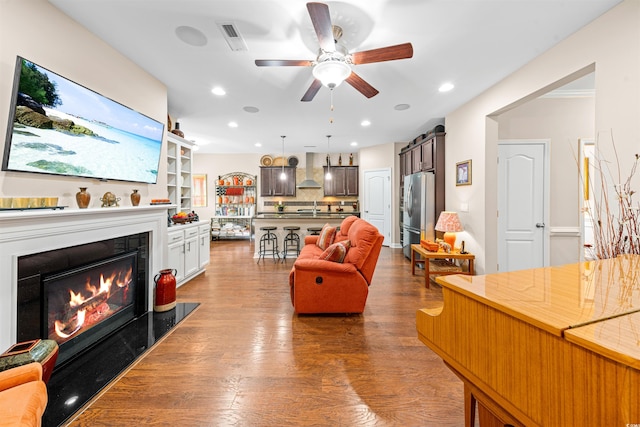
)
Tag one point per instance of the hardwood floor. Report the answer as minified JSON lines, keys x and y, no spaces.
{"x":243,"y":358}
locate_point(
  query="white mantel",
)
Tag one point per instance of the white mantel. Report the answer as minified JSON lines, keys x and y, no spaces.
{"x":33,"y":231}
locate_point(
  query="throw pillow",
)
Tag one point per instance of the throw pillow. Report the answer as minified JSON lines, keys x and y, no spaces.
{"x":336,"y":252}
{"x":325,"y":239}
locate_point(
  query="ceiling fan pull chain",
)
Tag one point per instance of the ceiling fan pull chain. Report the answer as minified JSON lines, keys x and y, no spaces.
{"x":331,"y":106}
{"x":331,"y":92}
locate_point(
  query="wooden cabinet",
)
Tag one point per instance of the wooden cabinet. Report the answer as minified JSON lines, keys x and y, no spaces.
{"x":343,"y":182}
{"x":408,"y":164}
{"x":179,"y":161}
{"x":427,"y":155}
{"x":416,"y":158}
{"x":422,"y":156}
{"x":271,"y":184}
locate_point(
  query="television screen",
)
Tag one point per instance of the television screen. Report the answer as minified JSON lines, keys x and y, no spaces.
{"x":59,"y":127}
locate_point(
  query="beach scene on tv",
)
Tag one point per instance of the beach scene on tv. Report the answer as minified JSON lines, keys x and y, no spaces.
{"x":61,"y":127}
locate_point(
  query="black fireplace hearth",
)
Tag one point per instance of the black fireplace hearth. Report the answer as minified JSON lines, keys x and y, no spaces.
{"x":75,"y":383}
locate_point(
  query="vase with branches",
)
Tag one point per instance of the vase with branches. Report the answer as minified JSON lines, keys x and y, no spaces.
{"x":611,"y":207}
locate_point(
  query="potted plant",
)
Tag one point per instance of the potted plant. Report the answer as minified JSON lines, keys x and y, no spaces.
{"x":279,"y":206}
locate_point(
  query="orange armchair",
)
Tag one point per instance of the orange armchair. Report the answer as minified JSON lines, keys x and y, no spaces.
{"x":23,"y":396}
{"x":321,"y":286}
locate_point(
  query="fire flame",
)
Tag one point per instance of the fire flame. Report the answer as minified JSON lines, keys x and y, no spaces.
{"x":103,"y":291}
{"x":79,"y":322}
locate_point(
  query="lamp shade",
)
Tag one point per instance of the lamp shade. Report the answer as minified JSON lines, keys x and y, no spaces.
{"x":331,"y":73}
{"x":450,"y":224}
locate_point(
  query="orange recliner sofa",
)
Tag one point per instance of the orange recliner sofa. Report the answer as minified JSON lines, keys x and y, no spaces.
{"x":23,"y":396}
{"x":322,"y":286}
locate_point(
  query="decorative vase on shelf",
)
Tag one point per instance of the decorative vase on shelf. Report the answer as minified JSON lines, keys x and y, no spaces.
{"x":135,"y":198}
{"x":340,"y":160}
{"x":83,"y":198}
{"x":177,"y":130}
{"x":351,"y":159}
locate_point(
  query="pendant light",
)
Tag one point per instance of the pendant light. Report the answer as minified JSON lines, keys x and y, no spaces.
{"x":328,"y":175}
{"x":283,"y":176}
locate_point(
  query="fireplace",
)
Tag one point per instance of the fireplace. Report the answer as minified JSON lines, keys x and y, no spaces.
{"x":39,"y":245}
{"x":78,"y":295}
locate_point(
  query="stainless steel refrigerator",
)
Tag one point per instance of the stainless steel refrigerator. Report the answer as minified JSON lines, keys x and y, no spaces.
{"x":419,"y":212}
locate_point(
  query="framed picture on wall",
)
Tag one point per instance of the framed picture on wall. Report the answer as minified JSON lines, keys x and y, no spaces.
{"x":463,"y":173}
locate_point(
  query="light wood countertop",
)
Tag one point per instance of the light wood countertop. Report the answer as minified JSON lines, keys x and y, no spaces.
{"x":558,"y":298}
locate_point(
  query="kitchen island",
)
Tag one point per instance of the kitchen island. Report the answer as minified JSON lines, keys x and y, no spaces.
{"x":300,"y":219}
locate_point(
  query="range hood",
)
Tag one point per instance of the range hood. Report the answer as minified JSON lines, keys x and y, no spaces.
{"x":308,"y":181}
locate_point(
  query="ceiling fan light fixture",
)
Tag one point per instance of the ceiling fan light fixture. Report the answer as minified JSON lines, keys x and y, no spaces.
{"x":331,"y":73}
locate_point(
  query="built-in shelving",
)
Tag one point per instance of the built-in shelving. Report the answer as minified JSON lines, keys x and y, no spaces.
{"x":236,"y":199}
{"x":179,"y":162}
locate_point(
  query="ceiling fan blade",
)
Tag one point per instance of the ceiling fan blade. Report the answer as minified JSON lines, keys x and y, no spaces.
{"x":361,"y":86}
{"x":311,"y":92}
{"x":321,"y":19}
{"x":389,"y":53}
{"x":283,"y":62}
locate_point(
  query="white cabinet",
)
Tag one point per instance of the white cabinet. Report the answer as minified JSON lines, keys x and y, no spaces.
{"x":179,"y":162}
{"x":204,"y":248}
{"x":176,"y":254}
{"x":188,"y":250}
{"x":191,"y":257}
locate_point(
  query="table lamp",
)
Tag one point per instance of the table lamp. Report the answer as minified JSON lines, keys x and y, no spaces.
{"x":449,"y":223}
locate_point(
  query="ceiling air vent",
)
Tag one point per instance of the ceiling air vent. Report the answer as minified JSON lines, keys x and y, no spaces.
{"x":232,"y":36}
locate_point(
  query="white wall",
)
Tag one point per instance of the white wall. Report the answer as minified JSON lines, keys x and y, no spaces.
{"x":36,"y":30}
{"x":563,"y":121}
{"x":381,"y":157}
{"x":612,"y":43}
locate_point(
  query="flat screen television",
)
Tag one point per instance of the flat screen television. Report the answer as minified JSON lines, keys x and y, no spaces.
{"x":59,"y":127}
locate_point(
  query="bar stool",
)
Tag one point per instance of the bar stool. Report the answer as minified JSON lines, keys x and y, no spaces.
{"x":314,"y":231}
{"x":268,"y":243}
{"x":291,"y":241}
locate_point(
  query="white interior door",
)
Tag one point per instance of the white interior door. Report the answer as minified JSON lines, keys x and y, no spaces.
{"x":377,"y":201}
{"x":522,"y":205}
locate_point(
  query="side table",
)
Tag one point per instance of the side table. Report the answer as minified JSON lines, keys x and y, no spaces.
{"x":440,"y":263}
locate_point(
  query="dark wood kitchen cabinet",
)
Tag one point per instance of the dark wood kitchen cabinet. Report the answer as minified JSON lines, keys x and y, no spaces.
{"x":271,"y":185}
{"x":343,"y":182}
{"x":424,"y":154}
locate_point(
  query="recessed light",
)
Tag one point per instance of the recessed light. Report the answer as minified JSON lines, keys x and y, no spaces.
{"x":191,"y":36}
{"x":446,"y":87}
{"x":354,"y":144}
{"x":233,"y":124}
{"x":257,"y":144}
{"x":401,"y":107}
{"x":250,"y":109}
{"x":365,"y":123}
{"x":218,"y":91}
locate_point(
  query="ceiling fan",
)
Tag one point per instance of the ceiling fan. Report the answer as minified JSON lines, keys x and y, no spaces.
{"x":333,"y":64}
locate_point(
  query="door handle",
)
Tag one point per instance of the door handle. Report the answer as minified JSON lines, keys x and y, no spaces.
{"x":540,"y":225}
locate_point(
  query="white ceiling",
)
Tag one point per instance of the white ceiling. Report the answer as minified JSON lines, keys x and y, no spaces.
{"x":470,"y":43}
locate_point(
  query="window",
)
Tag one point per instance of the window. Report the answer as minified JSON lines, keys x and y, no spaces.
{"x":199,"y":198}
